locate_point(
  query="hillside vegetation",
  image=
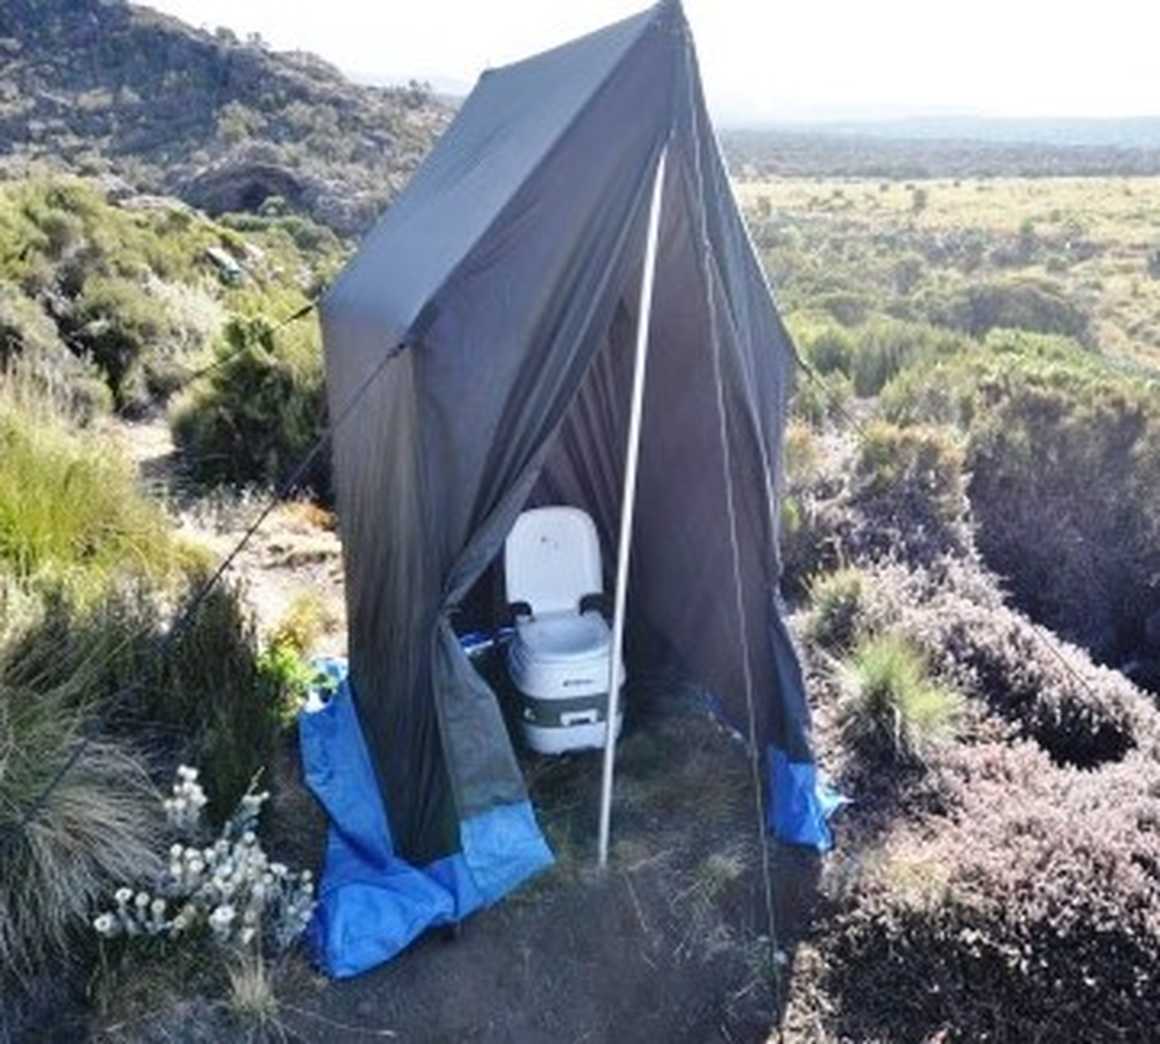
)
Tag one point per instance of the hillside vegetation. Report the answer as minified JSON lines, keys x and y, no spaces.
{"x":104,"y":86}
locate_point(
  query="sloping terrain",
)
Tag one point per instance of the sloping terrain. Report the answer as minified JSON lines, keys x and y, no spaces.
{"x":103,"y":86}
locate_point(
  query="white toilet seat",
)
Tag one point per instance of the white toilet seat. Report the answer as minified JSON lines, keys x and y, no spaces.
{"x":564,"y":636}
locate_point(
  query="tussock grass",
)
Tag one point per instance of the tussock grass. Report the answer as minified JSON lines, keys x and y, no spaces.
{"x":97,"y":828}
{"x":891,"y":707}
{"x":69,"y":508}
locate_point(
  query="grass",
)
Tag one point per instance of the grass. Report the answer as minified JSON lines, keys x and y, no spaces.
{"x":1091,"y":235}
{"x":891,"y":707}
{"x":96,"y":829}
{"x":69,"y":508}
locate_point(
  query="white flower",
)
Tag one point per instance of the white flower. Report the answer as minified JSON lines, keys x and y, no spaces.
{"x":175,"y":852}
{"x":105,"y":925}
{"x":187,"y":772}
{"x":123,"y":896}
{"x":157,"y":907}
{"x":307,"y":876}
{"x":249,"y":837}
{"x":278,"y":869}
{"x":222,"y":917}
{"x":196,"y":866}
{"x":142,"y":899}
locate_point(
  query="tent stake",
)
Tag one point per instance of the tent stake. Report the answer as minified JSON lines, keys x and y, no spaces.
{"x":628,"y":503}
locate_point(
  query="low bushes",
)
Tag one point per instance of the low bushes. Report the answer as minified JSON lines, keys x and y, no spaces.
{"x":259,"y":413}
{"x":134,"y":294}
{"x":1064,"y":458}
{"x":1032,"y":912}
{"x":1021,"y":302}
{"x":90,"y":581}
{"x":1079,"y":713}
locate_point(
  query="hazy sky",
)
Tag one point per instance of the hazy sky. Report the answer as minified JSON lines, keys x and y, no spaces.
{"x":765,"y":59}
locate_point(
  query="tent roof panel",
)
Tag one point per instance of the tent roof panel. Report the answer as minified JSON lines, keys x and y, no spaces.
{"x":507,"y":125}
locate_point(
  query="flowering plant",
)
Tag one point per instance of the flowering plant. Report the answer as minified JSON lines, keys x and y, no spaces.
{"x":228,"y":886}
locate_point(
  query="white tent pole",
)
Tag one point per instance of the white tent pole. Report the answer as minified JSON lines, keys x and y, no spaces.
{"x":628,"y":502}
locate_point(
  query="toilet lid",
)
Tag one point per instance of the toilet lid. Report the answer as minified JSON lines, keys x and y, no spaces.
{"x":564,"y":636}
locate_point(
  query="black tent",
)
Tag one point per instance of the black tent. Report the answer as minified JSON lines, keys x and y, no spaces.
{"x":504,"y":286}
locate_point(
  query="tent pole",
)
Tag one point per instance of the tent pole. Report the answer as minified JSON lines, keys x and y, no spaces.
{"x":628,"y":502}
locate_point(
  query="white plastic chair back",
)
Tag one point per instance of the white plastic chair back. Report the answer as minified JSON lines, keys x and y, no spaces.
{"x":551,"y":559}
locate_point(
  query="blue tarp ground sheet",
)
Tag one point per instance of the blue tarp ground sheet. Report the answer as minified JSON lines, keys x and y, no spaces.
{"x":371,"y":902}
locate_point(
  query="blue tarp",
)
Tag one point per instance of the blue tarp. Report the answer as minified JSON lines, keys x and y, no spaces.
{"x":800,"y":802}
{"x":371,"y":902}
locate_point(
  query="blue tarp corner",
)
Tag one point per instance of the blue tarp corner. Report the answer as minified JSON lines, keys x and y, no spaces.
{"x":800,"y":802}
{"x":371,"y":902}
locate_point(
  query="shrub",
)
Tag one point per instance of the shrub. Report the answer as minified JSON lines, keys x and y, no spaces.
{"x":831,"y":350}
{"x":891,"y":708}
{"x":1032,"y":912}
{"x":848,"y":307}
{"x":203,"y":696}
{"x":822,"y":400}
{"x":887,"y":346}
{"x":1027,"y":303}
{"x":1064,"y":456}
{"x":910,"y":494}
{"x":836,"y":600}
{"x":257,"y":415}
{"x":1079,"y":713}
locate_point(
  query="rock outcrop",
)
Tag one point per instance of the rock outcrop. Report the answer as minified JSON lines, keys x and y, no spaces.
{"x":109,"y":87}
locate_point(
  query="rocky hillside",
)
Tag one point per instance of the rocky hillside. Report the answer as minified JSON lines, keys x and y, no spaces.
{"x":107,"y":87}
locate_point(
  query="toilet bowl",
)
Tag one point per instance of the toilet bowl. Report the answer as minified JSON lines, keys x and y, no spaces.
{"x":559,"y":655}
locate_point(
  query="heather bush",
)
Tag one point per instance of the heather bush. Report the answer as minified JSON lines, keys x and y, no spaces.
{"x":1064,"y":457}
{"x":885,"y":347}
{"x":891,"y":709}
{"x":830,"y":350}
{"x":909,"y":491}
{"x":1032,"y":912}
{"x":1079,"y":713}
{"x":836,"y":603}
{"x":821,"y":401}
{"x":260,"y":412}
{"x":132,"y":294}
{"x":896,"y":494}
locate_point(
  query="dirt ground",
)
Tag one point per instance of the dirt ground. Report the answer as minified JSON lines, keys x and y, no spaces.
{"x":671,"y":944}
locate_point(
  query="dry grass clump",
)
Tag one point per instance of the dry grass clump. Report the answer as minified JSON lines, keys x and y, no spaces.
{"x":1031,"y":913}
{"x":98,"y":827}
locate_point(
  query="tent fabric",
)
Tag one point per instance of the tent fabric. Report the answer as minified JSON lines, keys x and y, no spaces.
{"x":372,"y":903}
{"x":509,"y":268}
